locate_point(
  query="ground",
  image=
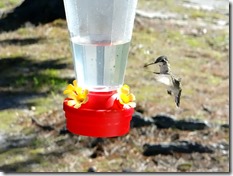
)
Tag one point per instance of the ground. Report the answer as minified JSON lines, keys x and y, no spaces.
{"x":36,"y":65}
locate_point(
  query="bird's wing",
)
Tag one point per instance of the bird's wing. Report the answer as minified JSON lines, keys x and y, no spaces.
{"x":177,"y":97}
{"x":164,"y":78}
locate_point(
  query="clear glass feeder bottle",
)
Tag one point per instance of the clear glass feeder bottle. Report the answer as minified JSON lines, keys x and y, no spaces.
{"x":100,"y":34}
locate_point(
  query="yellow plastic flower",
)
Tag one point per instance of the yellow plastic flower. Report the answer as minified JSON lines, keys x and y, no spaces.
{"x":126,"y":98}
{"x":77,"y":94}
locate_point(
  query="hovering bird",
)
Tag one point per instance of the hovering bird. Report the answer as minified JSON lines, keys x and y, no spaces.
{"x":166,"y":77}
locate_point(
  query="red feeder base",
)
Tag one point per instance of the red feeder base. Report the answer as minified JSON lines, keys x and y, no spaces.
{"x":101,"y":116}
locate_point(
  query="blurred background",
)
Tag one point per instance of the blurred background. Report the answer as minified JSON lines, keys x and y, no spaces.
{"x":36,"y":66}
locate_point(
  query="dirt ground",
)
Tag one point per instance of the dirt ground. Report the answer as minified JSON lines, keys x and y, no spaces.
{"x":36,"y":66}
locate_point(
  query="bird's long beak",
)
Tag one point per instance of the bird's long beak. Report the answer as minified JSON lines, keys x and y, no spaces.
{"x":146,"y":65}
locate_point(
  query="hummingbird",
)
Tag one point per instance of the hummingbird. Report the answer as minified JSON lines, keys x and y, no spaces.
{"x":166,"y":77}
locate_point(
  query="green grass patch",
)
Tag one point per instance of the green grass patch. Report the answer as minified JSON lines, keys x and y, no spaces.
{"x":45,"y":104}
{"x":218,"y":41}
{"x":9,"y":119}
{"x":8,"y":4}
{"x":214,"y":80}
{"x":48,"y":79}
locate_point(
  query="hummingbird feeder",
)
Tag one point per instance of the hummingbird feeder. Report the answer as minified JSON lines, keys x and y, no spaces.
{"x":98,"y":103}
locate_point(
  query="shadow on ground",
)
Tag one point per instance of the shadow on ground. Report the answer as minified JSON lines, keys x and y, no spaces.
{"x":28,"y":147}
{"x":22,"y":78}
{"x":21,"y":42}
{"x":34,"y":12}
